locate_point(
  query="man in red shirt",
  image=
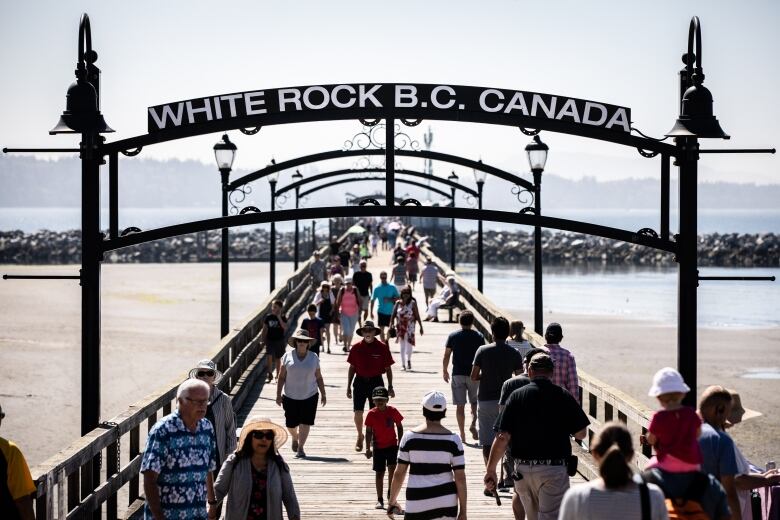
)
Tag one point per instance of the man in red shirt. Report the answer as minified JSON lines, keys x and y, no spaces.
{"x":379,"y":429}
{"x":368,"y":360}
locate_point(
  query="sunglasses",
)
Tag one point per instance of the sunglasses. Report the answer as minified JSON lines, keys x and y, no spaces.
{"x":205,"y":373}
{"x":260,"y":435}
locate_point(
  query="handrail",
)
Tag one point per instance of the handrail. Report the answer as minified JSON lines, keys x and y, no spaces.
{"x":65,"y":486}
{"x":600,"y":401}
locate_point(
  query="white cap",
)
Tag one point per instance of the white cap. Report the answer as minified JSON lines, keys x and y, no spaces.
{"x":667,"y":380}
{"x":434,"y":401}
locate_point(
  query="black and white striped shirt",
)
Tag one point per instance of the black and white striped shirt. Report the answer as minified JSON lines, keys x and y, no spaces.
{"x":432,"y":457}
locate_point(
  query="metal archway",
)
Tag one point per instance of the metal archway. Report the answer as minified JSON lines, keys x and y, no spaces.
{"x":359,"y":179}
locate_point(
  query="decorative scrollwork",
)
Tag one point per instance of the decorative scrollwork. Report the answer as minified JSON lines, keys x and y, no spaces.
{"x":249,"y":209}
{"x":407,"y":202}
{"x":635,"y":129}
{"x":303,"y":201}
{"x":281,"y":200}
{"x":402,"y":140}
{"x":250,"y":131}
{"x":646,"y":154}
{"x":237,"y":196}
{"x":129,"y":231}
{"x":411,"y":122}
{"x":470,"y":200}
{"x":131,"y":153}
{"x":366,"y":202}
{"x":523,"y":195}
{"x":373,"y":137}
{"x":369,"y":122}
{"x":529,"y":132}
{"x":647,"y":232}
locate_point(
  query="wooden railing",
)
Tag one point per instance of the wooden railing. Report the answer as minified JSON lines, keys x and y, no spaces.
{"x":600,"y":401}
{"x":75,"y":483}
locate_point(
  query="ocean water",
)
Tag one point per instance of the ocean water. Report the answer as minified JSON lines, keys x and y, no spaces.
{"x":710,"y":220}
{"x":637,"y":293}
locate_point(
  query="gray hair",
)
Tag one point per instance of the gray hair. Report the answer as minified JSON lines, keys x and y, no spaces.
{"x":184,"y":388}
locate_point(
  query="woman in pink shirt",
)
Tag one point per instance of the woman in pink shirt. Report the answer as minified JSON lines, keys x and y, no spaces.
{"x":348,"y":305}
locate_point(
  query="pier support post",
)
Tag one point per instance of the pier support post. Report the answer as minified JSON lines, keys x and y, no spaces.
{"x":480,"y":250}
{"x":538,"y":291}
{"x":272,"y":240}
{"x":296,"y":247}
{"x":224,"y":301}
{"x":452,"y":233}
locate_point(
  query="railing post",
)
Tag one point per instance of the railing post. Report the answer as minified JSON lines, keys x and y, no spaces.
{"x":135,"y":449}
{"x":112,"y":468}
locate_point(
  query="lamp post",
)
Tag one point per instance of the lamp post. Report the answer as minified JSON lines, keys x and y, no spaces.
{"x":696,"y":121}
{"x":272,"y":180}
{"x":536,"y":151}
{"x":454,"y":178}
{"x":82,"y":116}
{"x":297,"y":176}
{"x":480,"y":176}
{"x":225,"y":154}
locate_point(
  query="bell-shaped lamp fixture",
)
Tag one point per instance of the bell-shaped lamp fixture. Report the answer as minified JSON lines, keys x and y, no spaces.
{"x":81,"y":111}
{"x":696,"y":118}
{"x":225,"y":153}
{"x":536,"y":151}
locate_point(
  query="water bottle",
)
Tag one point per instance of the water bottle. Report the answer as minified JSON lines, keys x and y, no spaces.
{"x":771,"y":465}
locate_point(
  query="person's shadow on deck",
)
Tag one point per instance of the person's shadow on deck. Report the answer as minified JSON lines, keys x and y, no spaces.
{"x":331,"y":460}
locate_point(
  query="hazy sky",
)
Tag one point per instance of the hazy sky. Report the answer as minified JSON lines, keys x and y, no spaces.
{"x":620,"y":52}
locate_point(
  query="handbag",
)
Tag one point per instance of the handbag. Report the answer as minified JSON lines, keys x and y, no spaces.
{"x":571,"y":465}
{"x":391,"y":332}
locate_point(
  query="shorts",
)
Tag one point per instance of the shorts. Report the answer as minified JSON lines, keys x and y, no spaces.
{"x":487,"y":413}
{"x":364,"y":302}
{"x":463,"y":386}
{"x":383,"y":320}
{"x":361,"y":390}
{"x":385,"y":458}
{"x":348,"y":324}
{"x":297,"y":412}
{"x":430,"y":293}
{"x":412,"y":277}
{"x":275,"y":347}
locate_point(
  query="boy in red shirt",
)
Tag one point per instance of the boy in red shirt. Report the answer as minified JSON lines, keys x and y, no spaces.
{"x":379,"y":429}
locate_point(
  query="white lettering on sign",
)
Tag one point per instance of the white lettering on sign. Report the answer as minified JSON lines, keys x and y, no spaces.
{"x":307,"y":98}
{"x":435,"y":97}
{"x":537,"y":102}
{"x":586,"y":116}
{"x":517,"y":103}
{"x":334,"y":96}
{"x":250,"y":103}
{"x":483,"y":100}
{"x":364,"y":96}
{"x":289,"y":95}
{"x":167,"y":113}
{"x":569,"y":109}
{"x":405,"y":96}
{"x":231,"y":99}
{"x":206,"y":108}
{"x":620,"y":118}
{"x":217,"y":108}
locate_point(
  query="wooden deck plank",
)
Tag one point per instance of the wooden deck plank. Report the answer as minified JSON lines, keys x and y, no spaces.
{"x":335,"y":481}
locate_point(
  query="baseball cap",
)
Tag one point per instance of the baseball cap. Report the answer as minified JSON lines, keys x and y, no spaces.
{"x":667,"y":380}
{"x":434,"y":401}
{"x":380,"y":392}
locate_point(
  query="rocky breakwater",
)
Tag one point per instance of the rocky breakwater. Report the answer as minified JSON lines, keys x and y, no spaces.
{"x":64,"y":247}
{"x":724,"y":250}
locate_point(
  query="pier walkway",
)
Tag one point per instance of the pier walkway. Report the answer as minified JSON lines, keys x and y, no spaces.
{"x":335,"y":481}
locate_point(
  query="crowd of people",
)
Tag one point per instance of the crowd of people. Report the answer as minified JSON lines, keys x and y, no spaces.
{"x":524,"y":405}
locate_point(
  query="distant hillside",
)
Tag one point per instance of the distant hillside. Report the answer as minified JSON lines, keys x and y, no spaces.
{"x":150,"y":183}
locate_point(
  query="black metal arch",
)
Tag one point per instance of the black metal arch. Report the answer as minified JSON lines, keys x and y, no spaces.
{"x":411,"y":173}
{"x":391,"y":211}
{"x":421,"y":154}
{"x":363,"y":179}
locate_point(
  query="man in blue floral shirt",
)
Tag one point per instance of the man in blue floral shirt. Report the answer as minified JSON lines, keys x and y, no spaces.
{"x":179,"y":458}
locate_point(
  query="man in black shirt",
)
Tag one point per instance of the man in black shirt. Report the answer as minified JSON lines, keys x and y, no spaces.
{"x":537,"y":421}
{"x":364,"y":281}
{"x":462,"y":345}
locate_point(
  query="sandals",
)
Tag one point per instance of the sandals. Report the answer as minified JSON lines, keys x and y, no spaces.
{"x":359,"y":444}
{"x":294,"y":445}
{"x":474,"y":432}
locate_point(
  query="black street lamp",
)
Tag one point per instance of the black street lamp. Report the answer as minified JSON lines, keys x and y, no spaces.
{"x":225,"y":154}
{"x":297,"y":176}
{"x":537,"y":158}
{"x":82,"y":116}
{"x":454,"y":178}
{"x":480,"y":176}
{"x":273,"y":178}
{"x":696,"y":120}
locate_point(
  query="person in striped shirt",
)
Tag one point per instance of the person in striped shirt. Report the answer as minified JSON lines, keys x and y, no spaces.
{"x":565,"y":373}
{"x":433,"y":457}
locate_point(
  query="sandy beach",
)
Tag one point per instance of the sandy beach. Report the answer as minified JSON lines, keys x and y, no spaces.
{"x":158,"y":319}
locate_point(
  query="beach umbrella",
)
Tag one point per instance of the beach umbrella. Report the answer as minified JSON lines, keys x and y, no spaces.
{"x":357,"y":228}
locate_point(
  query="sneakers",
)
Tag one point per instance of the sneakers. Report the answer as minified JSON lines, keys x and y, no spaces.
{"x":300,"y":454}
{"x":379,"y":504}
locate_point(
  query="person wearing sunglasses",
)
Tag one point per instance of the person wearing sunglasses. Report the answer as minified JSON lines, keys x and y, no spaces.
{"x":255,"y":479}
{"x":219,"y":411}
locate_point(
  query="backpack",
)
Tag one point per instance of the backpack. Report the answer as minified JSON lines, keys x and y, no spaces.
{"x":688,"y":506}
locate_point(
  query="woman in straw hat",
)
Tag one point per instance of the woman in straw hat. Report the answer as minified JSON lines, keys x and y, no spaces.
{"x":299,"y":379}
{"x":220,"y":410}
{"x":255,"y":478}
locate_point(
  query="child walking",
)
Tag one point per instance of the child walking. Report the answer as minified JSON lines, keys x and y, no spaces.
{"x":384,"y":438}
{"x":674,"y":430}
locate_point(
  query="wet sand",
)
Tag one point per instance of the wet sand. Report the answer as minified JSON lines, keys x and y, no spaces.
{"x":158,"y":319}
